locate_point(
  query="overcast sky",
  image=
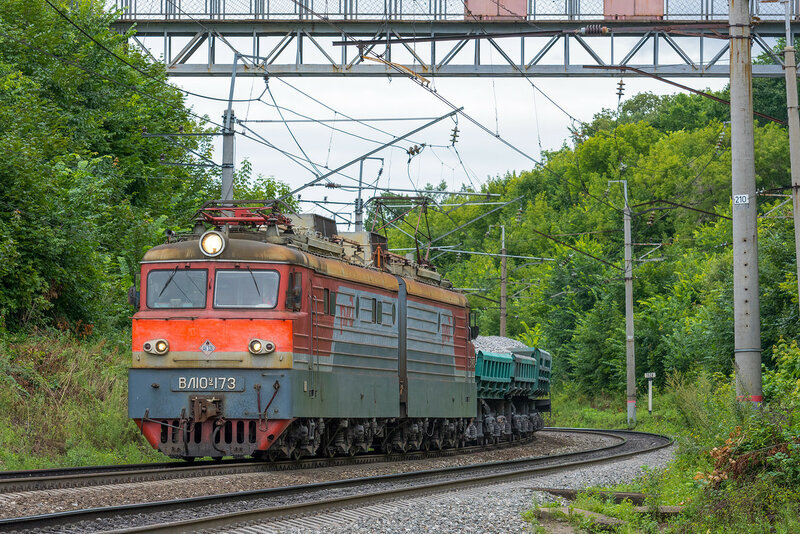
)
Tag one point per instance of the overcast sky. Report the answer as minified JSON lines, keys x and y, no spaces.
{"x":507,"y":106}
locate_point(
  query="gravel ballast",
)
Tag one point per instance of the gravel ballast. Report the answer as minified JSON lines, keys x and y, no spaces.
{"x":496,"y":343}
{"x":50,"y":501}
{"x":492,"y":509}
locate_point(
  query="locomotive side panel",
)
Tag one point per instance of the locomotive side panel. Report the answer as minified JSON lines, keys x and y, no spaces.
{"x":345,"y":361}
{"x":440,"y":378}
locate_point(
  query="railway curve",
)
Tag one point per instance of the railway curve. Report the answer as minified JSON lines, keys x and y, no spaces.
{"x":266,"y":505}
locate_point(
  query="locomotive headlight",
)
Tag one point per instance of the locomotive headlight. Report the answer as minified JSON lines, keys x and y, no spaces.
{"x":259,"y":346}
{"x":212,"y":243}
{"x":159,"y":347}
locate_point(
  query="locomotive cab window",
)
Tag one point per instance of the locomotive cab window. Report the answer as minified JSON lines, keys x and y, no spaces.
{"x":176,"y":288}
{"x":246,"y":288}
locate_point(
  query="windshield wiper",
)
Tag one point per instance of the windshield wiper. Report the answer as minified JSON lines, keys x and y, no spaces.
{"x":254,"y":281}
{"x":169,"y":280}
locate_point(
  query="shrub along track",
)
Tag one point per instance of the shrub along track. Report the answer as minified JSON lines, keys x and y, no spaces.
{"x":218,"y":511}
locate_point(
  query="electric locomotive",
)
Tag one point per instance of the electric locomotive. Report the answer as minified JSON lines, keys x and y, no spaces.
{"x":271,"y":336}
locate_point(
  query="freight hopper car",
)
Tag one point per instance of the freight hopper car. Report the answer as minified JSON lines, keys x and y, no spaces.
{"x":269,"y":336}
{"x":513,"y":390}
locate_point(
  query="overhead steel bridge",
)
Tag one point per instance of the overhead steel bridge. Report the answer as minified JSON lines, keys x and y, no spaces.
{"x":454,"y":38}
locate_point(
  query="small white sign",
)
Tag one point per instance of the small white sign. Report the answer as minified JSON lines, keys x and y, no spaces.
{"x":740,"y":200}
{"x":649,"y":375}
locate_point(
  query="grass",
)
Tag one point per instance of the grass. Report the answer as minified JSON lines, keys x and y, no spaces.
{"x":63,"y":402}
{"x":736,"y":469}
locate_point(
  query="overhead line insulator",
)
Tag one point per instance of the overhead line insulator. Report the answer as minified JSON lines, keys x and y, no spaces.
{"x":594,"y":29}
{"x":454,"y":135}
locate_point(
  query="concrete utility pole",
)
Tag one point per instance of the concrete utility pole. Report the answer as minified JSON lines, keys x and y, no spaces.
{"x":228,"y":137}
{"x":630,"y":346}
{"x":746,"y":314}
{"x":503,"y":282}
{"x":227,"y":155}
{"x":794,"y":131}
{"x":359,"y":205}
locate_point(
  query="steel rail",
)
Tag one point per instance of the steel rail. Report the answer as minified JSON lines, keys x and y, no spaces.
{"x":73,"y":477}
{"x":518,"y":468}
{"x":371,"y":497}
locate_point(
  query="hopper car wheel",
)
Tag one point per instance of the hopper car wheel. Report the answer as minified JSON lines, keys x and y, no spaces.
{"x":272,"y":455}
{"x":296,"y":454}
{"x":189,"y":459}
{"x":330,"y":452}
{"x":352,"y":450}
{"x":217,"y":458}
{"x":426,"y":445}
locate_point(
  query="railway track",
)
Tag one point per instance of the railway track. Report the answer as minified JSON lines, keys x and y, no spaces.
{"x":275,"y":504}
{"x":75,"y":477}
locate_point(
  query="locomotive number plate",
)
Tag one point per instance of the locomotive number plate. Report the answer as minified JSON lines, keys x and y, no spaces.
{"x":208,"y":383}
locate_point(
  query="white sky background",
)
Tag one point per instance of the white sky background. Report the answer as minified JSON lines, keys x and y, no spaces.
{"x":505,"y":104}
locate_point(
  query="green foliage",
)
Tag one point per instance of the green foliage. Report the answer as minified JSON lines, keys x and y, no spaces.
{"x":531,"y":336}
{"x":64,"y":402}
{"x":260,"y":188}
{"x":674,"y":153}
{"x":736,"y":469}
{"x":82,"y":192}
{"x":783,"y":382}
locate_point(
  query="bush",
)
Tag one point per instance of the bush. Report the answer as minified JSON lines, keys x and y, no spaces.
{"x":63,"y":402}
{"x":737,"y":469}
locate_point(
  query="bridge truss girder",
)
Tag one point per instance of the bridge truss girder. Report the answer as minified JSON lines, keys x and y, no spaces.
{"x":305,"y":48}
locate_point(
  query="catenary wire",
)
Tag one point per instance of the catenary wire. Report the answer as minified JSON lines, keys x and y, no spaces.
{"x":452,"y":106}
{"x":289,"y":129}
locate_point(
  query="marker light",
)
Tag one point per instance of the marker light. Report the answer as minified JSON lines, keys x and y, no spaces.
{"x":212,"y":243}
{"x":159,"y":347}
{"x":259,"y":346}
